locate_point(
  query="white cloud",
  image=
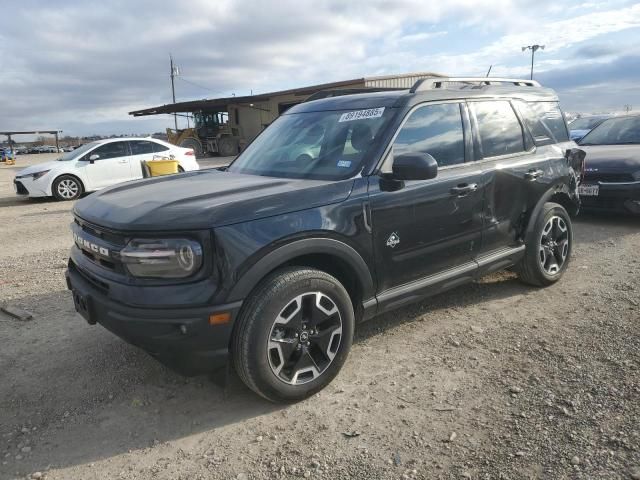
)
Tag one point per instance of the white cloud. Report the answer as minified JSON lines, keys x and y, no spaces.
{"x":92,"y":62}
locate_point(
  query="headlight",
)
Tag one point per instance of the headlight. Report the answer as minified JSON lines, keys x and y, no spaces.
{"x":162,"y":258}
{"x":37,"y":175}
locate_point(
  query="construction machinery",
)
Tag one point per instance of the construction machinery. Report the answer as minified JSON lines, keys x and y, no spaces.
{"x":211,"y":134}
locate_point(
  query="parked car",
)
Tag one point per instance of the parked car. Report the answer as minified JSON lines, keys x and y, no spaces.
{"x":97,"y":165}
{"x":612,"y":166}
{"x":579,"y":127}
{"x":273,"y":261}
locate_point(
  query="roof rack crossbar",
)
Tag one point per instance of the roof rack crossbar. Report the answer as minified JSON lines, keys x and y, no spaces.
{"x":433,"y":83}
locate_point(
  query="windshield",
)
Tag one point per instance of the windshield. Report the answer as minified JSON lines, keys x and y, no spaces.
{"x":615,"y":131}
{"x":585,"y":123}
{"x":78,"y":152}
{"x":330,"y":145}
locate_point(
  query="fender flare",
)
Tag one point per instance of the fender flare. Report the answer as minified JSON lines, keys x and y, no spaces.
{"x":531,"y":221}
{"x":272,"y":260}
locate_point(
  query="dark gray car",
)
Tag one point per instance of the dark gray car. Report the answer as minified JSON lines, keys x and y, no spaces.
{"x":612,"y":167}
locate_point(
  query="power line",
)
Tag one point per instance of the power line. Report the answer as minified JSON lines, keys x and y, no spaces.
{"x":210,"y":90}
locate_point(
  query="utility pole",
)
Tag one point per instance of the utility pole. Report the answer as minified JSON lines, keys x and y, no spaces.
{"x":174,"y":72}
{"x":533,"y":49}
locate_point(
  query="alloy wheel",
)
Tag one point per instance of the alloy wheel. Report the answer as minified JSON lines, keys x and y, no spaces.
{"x":304,"y":338}
{"x":554,"y":245}
{"x":68,"y":188}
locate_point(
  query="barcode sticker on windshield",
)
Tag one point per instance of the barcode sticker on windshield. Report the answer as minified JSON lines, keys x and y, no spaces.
{"x":362,"y":114}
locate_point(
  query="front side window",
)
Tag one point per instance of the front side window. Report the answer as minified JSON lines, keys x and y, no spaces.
{"x":140,"y":147}
{"x":111,"y":150}
{"x":499,"y":128}
{"x":436,"y":130}
{"x":328,"y":145}
{"x":615,"y":131}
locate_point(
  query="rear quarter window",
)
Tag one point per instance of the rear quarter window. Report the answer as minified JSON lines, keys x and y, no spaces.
{"x":545,"y":121}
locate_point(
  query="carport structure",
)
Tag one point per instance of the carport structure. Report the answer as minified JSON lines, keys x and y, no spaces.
{"x":35,"y":132}
{"x":247,"y":116}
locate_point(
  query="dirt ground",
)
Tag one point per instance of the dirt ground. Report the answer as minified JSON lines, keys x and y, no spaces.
{"x":493,"y":380}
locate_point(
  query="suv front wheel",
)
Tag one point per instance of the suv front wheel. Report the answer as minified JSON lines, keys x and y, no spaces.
{"x":548,"y":247}
{"x":294,"y":334}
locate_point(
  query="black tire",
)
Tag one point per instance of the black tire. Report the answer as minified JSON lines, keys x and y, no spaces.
{"x":193,"y":144}
{"x":227,"y":147}
{"x":537,"y":266}
{"x":67,"y":187}
{"x":252,"y":347}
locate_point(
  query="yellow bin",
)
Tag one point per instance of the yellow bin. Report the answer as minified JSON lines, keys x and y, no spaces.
{"x":162,"y":167}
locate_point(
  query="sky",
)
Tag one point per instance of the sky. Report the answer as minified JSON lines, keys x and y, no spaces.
{"x":81,"y":66}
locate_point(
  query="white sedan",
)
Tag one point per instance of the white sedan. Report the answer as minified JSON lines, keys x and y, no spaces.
{"x":98,"y":165}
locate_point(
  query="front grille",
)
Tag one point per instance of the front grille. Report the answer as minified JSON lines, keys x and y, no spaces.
{"x":100,"y":246}
{"x":607,"y":177}
{"x":20,"y":188}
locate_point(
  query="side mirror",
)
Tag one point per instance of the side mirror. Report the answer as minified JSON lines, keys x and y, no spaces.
{"x":414,"y":166}
{"x":93,"y":157}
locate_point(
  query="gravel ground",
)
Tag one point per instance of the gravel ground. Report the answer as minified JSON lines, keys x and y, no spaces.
{"x":492,"y":380}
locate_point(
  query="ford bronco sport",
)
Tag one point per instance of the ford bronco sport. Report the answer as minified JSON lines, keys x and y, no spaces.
{"x":344,"y":208}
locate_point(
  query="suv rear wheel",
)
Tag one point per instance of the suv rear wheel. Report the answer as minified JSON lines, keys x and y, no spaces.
{"x":548,"y":247}
{"x":294,"y":334}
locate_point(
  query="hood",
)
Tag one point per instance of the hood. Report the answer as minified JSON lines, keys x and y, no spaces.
{"x":612,"y":158}
{"x":38,"y":168}
{"x":204,"y":199}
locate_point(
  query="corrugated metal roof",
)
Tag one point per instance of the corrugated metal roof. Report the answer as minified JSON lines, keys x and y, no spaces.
{"x":405,"y":80}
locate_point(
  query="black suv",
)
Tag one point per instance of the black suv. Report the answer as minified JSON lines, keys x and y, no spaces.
{"x":344,"y":208}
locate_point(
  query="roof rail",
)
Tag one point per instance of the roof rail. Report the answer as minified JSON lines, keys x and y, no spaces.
{"x":349,"y":91}
{"x":433,"y":83}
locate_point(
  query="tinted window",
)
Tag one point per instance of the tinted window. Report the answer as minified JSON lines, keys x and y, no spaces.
{"x":436,"y":130}
{"x":615,"y":131}
{"x":499,"y":128}
{"x":111,"y":150}
{"x":549,"y":115}
{"x":158,"y":147}
{"x":139,"y":147}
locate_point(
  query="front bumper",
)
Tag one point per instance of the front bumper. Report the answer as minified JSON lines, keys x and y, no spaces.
{"x":617,"y":197}
{"x":180,"y":338}
{"x":29,"y":187}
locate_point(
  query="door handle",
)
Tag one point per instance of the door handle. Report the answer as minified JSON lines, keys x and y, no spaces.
{"x":533,"y":174}
{"x":123,"y":161}
{"x":463,"y":189}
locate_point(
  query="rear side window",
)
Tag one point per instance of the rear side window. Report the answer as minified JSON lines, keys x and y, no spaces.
{"x":158,"y":147}
{"x":499,"y":128}
{"x":545,"y":121}
{"x":436,"y":130}
{"x":140,"y":147}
